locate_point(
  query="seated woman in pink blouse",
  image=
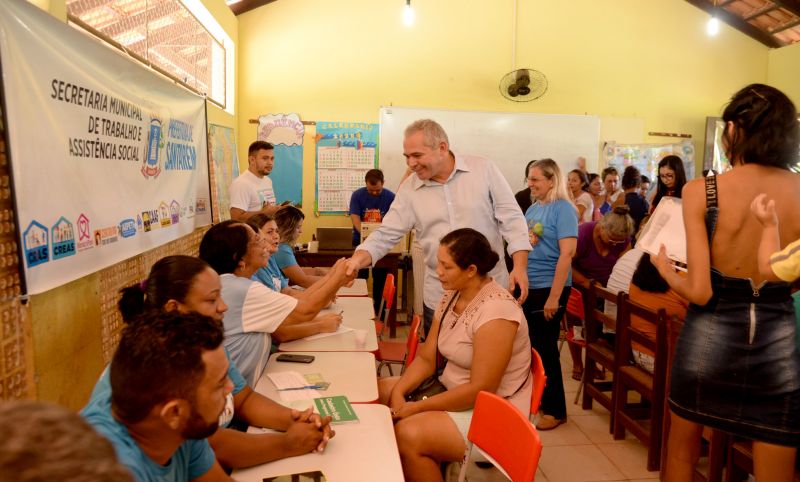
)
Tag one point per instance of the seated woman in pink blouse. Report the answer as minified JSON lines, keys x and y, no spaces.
{"x":481,"y":332}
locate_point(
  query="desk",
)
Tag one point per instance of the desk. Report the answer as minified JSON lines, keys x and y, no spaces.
{"x":392,"y":261}
{"x":360,"y":452}
{"x":357,"y":313}
{"x":359,"y":288}
{"x":351,"y":374}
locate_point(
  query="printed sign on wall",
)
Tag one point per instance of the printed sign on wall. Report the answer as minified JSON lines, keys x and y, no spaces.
{"x":109,"y":160}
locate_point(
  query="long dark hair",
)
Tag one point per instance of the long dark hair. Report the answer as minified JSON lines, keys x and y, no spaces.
{"x":170,"y":278}
{"x":676,"y":164}
{"x":647,"y":278}
{"x":766,"y":130}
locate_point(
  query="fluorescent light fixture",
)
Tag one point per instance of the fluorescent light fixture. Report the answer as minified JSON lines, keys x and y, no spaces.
{"x":712,"y":27}
{"x":408,"y":14}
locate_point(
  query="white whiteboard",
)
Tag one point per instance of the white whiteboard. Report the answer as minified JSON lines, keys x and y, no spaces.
{"x":511,"y":140}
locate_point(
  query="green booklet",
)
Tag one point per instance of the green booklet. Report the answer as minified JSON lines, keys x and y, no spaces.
{"x":338,"y":408}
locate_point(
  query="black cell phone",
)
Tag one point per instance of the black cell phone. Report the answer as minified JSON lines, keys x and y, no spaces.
{"x":291,"y":358}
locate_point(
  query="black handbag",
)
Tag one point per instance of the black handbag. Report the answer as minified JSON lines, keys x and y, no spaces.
{"x":432,"y":386}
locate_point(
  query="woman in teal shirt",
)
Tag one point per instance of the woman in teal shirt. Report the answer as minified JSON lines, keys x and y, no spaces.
{"x":553,"y":230}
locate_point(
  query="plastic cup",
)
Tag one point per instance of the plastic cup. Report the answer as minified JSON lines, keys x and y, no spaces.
{"x":361,"y":338}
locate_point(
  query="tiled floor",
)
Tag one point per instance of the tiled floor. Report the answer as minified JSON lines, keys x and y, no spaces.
{"x":582,"y":449}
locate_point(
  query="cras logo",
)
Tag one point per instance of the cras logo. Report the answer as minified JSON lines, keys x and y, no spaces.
{"x":155,"y":142}
{"x":35,"y":244}
{"x":63,"y":237}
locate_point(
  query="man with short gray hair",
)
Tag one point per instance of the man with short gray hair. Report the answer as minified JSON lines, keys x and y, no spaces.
{"x":448,"y":191}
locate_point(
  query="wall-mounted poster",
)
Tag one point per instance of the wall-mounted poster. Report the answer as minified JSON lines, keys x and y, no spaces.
{"x":108,"y":159}
{"x":285,"y":132}
{"x":345,"y":152}
{"x":224,"y":168}
{"x":647,"y":156}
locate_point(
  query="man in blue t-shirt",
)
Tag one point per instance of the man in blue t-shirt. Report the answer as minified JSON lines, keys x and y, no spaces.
{"x":168,"y":385}
{"x":370,"y":204}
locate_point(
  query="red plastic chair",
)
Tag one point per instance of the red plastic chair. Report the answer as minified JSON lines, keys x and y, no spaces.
{"x":505,"y":437}
{"x":575,"y":313}
{"x":398,"y":352}
{"x":539,"y":381}
{"x":387,"y":300}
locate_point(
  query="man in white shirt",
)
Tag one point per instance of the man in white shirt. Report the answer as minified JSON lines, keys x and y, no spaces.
{"x":444,"y":193}
{"x":251,"y":192}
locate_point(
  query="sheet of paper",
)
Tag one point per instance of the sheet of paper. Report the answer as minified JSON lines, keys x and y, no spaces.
{"x":295,"y":395}
{"x":665,"y":227}
{"x":339,"y":331}
{"x":287,"y":379}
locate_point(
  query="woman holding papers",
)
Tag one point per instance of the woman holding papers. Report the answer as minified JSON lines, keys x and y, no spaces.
{"x":737,"y":365}
{"x":480,"y":330}
{"x":255,"y":312}
{"x":187,"y":284}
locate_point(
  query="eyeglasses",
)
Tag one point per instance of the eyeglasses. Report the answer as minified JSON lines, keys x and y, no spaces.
{"x":609,"y":240}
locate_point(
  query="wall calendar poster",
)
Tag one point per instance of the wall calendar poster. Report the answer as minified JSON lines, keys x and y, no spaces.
{"x":345,"y":152}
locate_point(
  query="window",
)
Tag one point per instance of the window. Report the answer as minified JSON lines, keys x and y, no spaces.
{"x":163,"y":34}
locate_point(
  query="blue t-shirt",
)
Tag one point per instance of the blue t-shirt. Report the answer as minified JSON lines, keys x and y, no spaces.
{"x":272,"y":276}
{"x":254,"y":313}
{"x":191,"y":460}
{"x":548,"y":223}
{"x":369,"y":208}
{"x":284,"y":258}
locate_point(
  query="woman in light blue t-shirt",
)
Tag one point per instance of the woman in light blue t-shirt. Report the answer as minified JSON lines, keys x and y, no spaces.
{"x":270,"y":275}
{"x":553,"y":230}
{"x":290,"y":226}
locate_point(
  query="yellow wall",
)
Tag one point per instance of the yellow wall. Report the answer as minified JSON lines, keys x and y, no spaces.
{"x":66,"y":322}
{"x":627,"y":58}
{"x":784,"y":71}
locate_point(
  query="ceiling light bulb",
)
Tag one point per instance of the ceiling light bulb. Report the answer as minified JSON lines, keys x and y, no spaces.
{"x":408,"y":14}
{"x":712,"y":27}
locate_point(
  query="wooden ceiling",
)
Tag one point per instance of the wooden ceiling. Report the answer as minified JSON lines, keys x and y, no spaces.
{"x":774,"y":23}
{"x":239,"y":7}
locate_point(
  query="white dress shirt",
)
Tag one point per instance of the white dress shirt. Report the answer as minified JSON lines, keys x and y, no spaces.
{"x":475,"y":195}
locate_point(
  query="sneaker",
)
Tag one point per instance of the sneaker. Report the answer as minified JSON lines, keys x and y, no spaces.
{"x":549,"y":422}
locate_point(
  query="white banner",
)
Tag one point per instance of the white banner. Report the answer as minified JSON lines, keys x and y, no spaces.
{"x":108,"y":159}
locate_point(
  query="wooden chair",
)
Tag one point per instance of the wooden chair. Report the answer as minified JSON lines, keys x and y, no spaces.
{"x":387,"y":300}
{"x":644,"y":419}
{"x":398,"y":352}
{"x":715,"y":441}
{"x":539,"y":381}
{"x":740,"y":461}
{"x":505,"y":437}
{"x":598,"y":350}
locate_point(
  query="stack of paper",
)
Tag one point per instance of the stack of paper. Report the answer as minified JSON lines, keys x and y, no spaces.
{"x":665,"y":227}
{"x":291,"y":385}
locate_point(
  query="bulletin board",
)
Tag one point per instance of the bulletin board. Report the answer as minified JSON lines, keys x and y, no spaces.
{"x":345,"y":152}
{"x":647,"y":156}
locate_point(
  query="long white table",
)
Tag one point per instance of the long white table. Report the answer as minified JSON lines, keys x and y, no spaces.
{"x":357,"y":313}
{"x":351,"y":374}
{"x":360,"y":452}
{"x":359,"y":288}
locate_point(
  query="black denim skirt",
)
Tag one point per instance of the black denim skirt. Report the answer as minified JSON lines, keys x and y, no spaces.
{"x":737,"y":365}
